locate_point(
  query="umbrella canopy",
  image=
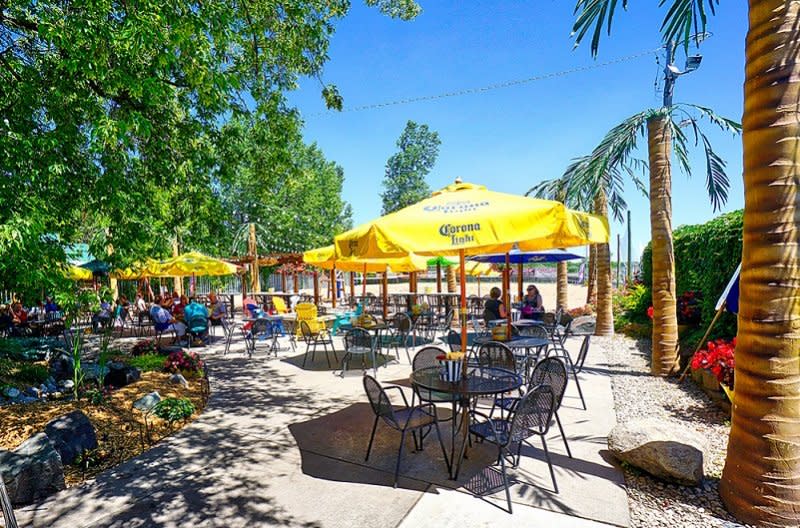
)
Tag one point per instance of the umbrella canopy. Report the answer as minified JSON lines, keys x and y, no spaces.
{"x":324,"y":258}
{"x":192,"y":263}
{"x":149,"y":268}
{"x":480,"y":269}
{"x":78,"y":273}
{"x":516,"y":256}
{"x":96,"y":267}
{"x":469,"y":218}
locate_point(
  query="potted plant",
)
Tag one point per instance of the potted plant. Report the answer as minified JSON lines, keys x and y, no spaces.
{"x":717,"y":360}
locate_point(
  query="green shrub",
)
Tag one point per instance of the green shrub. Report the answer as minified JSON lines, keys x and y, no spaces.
{"x":147,"y":362}
{"x":174,"y":409}
{"x":706,"y":256}
{"x":22,"y":373}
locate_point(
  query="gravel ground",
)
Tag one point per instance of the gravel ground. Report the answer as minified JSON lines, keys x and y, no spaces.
{"x":637,"y":394}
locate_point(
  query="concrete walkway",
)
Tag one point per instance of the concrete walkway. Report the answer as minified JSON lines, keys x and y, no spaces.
{"x":282,"y":446}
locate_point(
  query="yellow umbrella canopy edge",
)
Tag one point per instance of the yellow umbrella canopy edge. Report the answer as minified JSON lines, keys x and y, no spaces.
{"x":324,"y":258}
{"x":77,"y":273}
{"x":193,"y":263}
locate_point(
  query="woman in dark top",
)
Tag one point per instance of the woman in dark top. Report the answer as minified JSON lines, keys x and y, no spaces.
{"x":532,"y":307}
{"x":494,"y":309}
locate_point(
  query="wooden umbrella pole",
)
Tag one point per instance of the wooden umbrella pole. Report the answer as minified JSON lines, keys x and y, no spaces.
{"x":333,"y":287}
{"x":438,"y":277}
{"x":702,"y":340}
{"x":316,"y":288}
{"x":364,"y":282}
{"x":385,"y":295}
{"x":519,"y":282}
{"x":507,"y":298}
{"x":462,"y":275}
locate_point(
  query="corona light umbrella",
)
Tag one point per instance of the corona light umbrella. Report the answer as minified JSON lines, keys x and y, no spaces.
{"x":466,"y":219}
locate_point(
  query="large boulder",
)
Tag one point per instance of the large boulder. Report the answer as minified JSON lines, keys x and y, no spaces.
{"x":32,"y":471}
{"x":71,"y":435}
{"x":60,"y":364}
{"x":120,"y":375}
{"x":663,"y":448}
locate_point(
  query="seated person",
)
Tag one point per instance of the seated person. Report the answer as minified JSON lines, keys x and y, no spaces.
{"x":218,"y":309}
{"x":102,"y":317}
{"x":36,"y":312}
{"x":139,"y":306}
{"x":493,"y":308}
{"x":50,"y":305}
{"x":532,"y":307}
{"x":121,"y":310}
{"x":163,"y":320}
{"x":6,"y":321}
{"x":179,"y":307}
{"x":195,"y":316}
{"x":19,"y":315}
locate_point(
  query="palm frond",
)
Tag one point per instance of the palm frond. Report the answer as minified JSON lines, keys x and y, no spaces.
{"x":685,"y":18}
{"x":724,"y":123}
{"x":717,"y":183}
{"x":594,"y":14}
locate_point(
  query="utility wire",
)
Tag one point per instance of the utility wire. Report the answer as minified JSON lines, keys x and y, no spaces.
{"x":490,"y":87}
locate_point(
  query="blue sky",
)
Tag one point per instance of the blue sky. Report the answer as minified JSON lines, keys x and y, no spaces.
{"x":509,"y":139}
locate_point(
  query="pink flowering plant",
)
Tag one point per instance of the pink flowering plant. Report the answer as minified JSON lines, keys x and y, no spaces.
{"x":145,"y":346}
{"x":187,"y":363}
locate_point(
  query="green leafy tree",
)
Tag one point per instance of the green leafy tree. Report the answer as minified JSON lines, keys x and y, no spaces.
{"x":404,"y":182}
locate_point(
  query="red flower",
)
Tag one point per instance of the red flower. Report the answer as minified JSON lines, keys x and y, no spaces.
{"x":650,"y":312}
{"x":718,"y":357}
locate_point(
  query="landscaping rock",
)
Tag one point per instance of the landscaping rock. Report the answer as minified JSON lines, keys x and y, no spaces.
{"x":32,"y":471}
{"x":120,"y":375}
{"x":60,"y":365}
{"x":178,"y":379}
{"x":68,"y":385}
{"x":11,"y":393}
{"x":663,"y":448}
{"x":33,"y":392}
{"x":71,"y":435}
{"x":585,"y":324}
{"x":147,"y":402}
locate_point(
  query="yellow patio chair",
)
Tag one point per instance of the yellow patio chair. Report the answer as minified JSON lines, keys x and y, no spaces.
{"x":280,"y":305}
{"x":308,"y":312}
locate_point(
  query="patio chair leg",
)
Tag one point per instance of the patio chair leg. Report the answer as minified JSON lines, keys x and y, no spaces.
{"x":563,"y":436}
{"x":441,"y":444}
{"x":505,"y":479}
{"x":550,"y":464}
{"x":371,"y":438}
{"x":578,"y":384}
{"x":399,"y":457}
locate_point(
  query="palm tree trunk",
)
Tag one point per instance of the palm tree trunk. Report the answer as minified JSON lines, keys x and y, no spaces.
{"x":562,"y":295}
{"x":665,"y":318}
{"x":605,"y":314}
{"x":761,"y":480}
{"x":591,"y":290}
{"x":450,"y":276}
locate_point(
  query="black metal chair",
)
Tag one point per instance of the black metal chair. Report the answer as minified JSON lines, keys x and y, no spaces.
{"x":10,"y":521}
{"x":535,"y":330}
{"x":313,"y":340}
{"x":408,"y":418}
{"x":445,"y":324}
{"x":359,"y":342}
{"x":531,"y":416}
{"x":400,"y":333}
{"x":229,"y":328}
{"x":426,"y":358}
{"x":495,"y":354}
{"x":453,"y":340}
{"x":577,"y":366}
{"x":551,"y":372}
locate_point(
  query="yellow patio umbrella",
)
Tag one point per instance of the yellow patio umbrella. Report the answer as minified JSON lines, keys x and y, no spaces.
{"x":192,"y":263}
{"x":140,"y":270}
{"x":325,"y":258}
{"x":78,"y":273}
{"x":464,"y":219}
{"x":480,"y":269}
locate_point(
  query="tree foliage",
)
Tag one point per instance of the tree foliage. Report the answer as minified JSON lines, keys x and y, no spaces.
{"x":404,"y":182}
{"x":114,"y":119}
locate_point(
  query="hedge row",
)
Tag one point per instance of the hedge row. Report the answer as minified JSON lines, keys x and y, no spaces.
{"x":706,"y":255}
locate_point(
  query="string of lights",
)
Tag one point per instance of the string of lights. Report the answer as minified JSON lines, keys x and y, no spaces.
{"x":490,"y":87}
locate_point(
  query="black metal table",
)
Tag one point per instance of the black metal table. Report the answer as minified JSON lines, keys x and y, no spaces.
{"x":478,"y":381}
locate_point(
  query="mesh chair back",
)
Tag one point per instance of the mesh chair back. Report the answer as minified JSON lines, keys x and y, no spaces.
{"x":538,"y":331}
{"x":581,"y":359}
{"x":476,"y":324}
{"x":379,"y":401}
{"x":549,"y":319}
{"x":306,"y":332}
{"x":564,"y":333}
{"x":401,"y":323}
{"x":453,"y":340}
{"x":447,"y":322}
{"x":551,"y":372}
{"x":533,"y":414}
{"x":496,"y":355}
{"x":559,"y":315}
{"x":260,"y":327}
{"x":357,"y":340}
{"x":426,"y":358}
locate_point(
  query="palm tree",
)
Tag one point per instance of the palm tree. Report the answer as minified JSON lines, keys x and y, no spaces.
{"x":664,"y":130}
{"x":761,"y":480}
{"x":582,"y":187}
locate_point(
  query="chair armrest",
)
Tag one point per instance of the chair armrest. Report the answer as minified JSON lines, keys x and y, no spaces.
{"x":489,"y":420}
{"x":399,"y":389}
